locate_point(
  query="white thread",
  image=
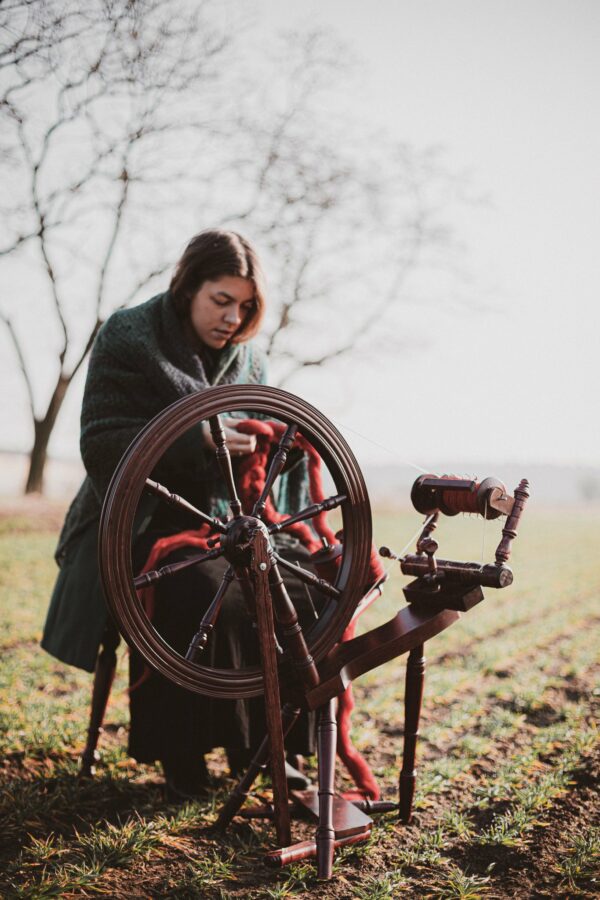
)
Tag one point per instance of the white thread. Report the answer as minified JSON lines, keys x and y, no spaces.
{"x":405,"y":462}
{"x":416,"y":534}
{"x":399,"y":556}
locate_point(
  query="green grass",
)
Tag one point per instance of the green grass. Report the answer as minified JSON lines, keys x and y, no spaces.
{"x":505,"y":769}
{"x":581,"y":859}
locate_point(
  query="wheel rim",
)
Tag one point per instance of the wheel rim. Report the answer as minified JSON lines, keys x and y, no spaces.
{"x":123,"y":496}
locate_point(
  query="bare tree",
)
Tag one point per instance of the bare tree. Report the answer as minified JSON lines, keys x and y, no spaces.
{"x":91,"y":96}
{"x":349,"y":217}
{"x":125,"y":118}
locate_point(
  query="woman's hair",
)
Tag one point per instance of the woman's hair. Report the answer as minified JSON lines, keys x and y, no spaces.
{"x":209,"y":256}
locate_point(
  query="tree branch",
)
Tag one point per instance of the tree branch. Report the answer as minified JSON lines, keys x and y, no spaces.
{"x":114,"y":234}
{"x":88,"y":346}
{"x":155,"y":273}
{"x":284,"y":317}
{"x":22,"y":364}
{"x":40,"y":234}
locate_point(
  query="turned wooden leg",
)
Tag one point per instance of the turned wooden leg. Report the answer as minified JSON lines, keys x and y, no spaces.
{"x":413,"y":696}
{"x":326,"y":744}
{"x":104,"y":674}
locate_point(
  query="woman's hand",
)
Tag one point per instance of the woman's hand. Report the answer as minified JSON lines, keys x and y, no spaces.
{"x":237,"y":442}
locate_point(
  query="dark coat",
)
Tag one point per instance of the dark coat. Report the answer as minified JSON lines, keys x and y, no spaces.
{"x":141,"y":363}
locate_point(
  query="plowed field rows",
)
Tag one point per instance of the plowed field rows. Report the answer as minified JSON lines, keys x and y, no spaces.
{"x":509,"y":759}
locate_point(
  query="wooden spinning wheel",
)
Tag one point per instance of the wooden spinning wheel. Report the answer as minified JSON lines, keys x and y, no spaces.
{"x":130,"y":480}
{"x":313,"y":668}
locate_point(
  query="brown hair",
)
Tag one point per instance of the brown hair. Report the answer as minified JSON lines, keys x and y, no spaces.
{"x":209,"y":256}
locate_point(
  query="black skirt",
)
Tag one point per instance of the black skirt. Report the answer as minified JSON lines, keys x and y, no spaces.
{"x":168,"y":719}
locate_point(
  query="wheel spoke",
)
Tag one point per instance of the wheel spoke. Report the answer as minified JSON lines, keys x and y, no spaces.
{"x":146,"y":578}
{"x":224,"y":460}
{"x":180,"y":503}
{"x":308,"y":513}
{"x":277,"y":464}
{"x":319,"y":583}
{"x":200,"y":639}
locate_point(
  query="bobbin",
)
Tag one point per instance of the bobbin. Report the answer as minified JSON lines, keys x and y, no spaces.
{"x":451,"y":495}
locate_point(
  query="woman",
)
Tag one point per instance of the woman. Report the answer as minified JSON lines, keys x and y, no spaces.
{"x":195,"y":335}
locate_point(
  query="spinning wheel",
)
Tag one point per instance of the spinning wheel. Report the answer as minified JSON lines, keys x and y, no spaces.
{"x":313,"y":668}
{"x":130,"y":480}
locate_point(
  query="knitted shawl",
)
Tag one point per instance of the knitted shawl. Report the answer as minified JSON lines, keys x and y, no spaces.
{"x":141,"y":362}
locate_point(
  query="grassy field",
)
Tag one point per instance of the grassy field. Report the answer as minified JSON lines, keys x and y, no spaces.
{"x":507,"y":801}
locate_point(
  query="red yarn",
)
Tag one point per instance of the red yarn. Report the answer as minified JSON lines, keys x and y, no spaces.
{"x":252,"y":473}
{"x":162,"y":547}
{"x":354,"y":761}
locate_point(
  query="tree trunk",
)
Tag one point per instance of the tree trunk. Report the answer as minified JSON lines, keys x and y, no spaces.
{"x":43,"y":429}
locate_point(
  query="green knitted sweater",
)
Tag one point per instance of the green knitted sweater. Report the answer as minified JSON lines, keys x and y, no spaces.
{"x":141,"y":362}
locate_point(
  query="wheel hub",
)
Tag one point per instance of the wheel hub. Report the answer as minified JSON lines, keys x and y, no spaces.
{"x":237,"y":541}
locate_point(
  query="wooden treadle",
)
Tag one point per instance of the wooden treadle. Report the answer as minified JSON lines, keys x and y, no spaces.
{"x":347,"y":819}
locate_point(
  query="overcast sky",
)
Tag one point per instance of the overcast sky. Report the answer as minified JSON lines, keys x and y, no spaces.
{"x":510,"y":89}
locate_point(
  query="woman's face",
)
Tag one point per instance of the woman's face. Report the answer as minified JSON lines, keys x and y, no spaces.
{"x":219,"y":308}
